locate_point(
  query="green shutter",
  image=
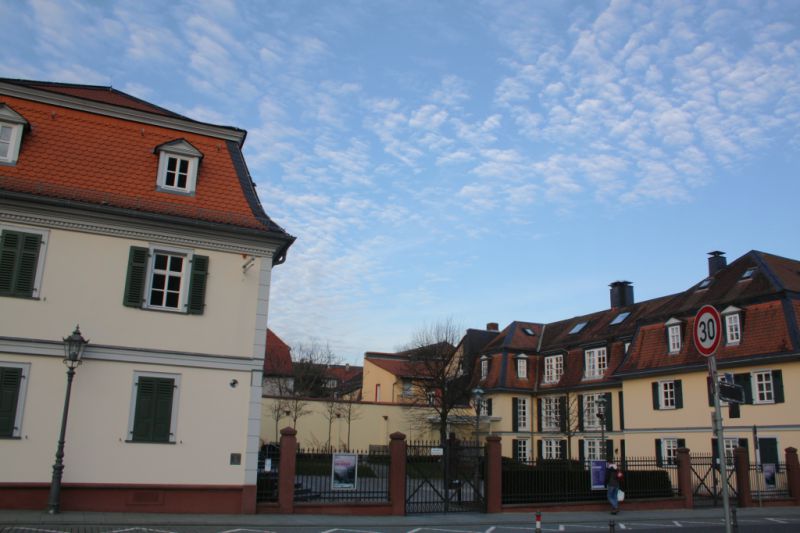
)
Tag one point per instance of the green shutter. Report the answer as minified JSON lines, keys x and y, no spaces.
{"x":562,"y":414}
{"x":514,"y":449}
{"x":197,"y":285}
{"x":514,"y":414}
{"x":153,"y":415}
{"x":135,"y":281}
{"x":10,"y":379}
{"x":656,"y":398}
{"x":745,"y":382}
{"x":659,"y":458}
{"x":19,"y":256}
{"x":562,"y":448}
{"x":581,"y":451}
{"x":777,"y":386}
{"x":539,"y":450}
{"x":609,"y":412}
{"x":678,"y":394}
{"x":621,"y":413}
{"x":580,"y":412}
{"x":489,"y":407}
{"x":539,"y":426}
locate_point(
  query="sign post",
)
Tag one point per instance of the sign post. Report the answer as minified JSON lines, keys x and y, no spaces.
{"x":707,"y":333}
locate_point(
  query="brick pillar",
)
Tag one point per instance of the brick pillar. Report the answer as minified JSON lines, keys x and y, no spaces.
{"x":286,"y":470}
{"x":494,"y":475}
{"x":741,"y":463}
{"x":397,"y":473}
{"x":685,"y":477}
{"x":793,"y":474}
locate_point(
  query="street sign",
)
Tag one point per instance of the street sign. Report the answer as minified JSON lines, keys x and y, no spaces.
{"x":707,"y":330}
{"x":731,"y":393}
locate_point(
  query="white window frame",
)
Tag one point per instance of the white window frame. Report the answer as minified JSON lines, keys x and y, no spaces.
{"x":674,"y":341}
{"x":733,"y":329}
{"x":173,"y":424}
{"x":551,"y":417}
{"x":553,"y":368}
{"x":14,"y":142}
{"x":180,"y":151}
{"x":768,"y":396}
{"x":377,"y":392}
{"x":408,"y":387}
{"x":522,"y":367}
{"x":484,"y":367}
{"x":730,"y":444}
{"x":523,"y":420}
{"x":523,"y":449}
{"x":45,"y":235}
{"x":667,"y":397}
{"x":551,"y":449}
{"x":21,"y":395}
{"x":595,"y":363}
{"x":593,"y":449}
{"x":591,"y":406}
{"x":669,"y":451}
{"x":183,"y":297}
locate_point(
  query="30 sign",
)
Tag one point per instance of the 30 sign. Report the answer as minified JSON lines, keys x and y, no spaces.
{"x":707,"y":330}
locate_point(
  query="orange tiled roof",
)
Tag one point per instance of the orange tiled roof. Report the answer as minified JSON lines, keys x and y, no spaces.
{"x":277,"y":356}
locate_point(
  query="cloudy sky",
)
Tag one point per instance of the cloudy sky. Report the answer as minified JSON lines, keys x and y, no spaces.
{"x":478,"y":161}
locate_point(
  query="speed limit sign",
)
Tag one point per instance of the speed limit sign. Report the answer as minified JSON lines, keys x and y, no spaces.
{"x":707,"y":330}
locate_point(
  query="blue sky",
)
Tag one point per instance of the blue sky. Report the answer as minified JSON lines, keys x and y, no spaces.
{"x":479,"y":161}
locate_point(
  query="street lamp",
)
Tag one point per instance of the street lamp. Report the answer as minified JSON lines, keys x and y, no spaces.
{"x":477,"y":395}
{"x":73,"y":351}
{"x":601,"y":416}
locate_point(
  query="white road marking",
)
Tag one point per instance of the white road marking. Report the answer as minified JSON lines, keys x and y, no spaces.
{"x":677,"y":524}
{"x":490,"y":529}
{"x":132,"y":529}
{"x":777,"y":520}
{"x":40,"y":530}
{"x":247,"y":530}
{"x":352,"y":530}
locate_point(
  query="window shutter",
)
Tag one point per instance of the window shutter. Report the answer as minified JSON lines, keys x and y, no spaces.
{"x":489,"y":407}
{"x":681,"y":443}
{"x":153,"y":415}
{"x":656,"y":399}
{"x":19,"y":255}
{"x":659,"y":458}
{"x":197,"y":285}
{"x":10,"y":379}
{"x":539,"y":449}
{"x":622,"y":450}
{"x":777,"y":385}
{"x":137,"y":272}
{"x":563,"y":415}
{"x":678,"y":394}
{"x":744,"y":381}
{"x":514,"y":414}
{"x":733,"y":410}
{"x":514,"y":449}
{"x":609,"y":413}
{"x":562,"y":449}
{"x":581,"y":451}
{"x":743,"y":443}
{"x":710,"y":387}
{"x":768,"y":450}
{"x":580,"y":412}
{"x":539,"y":426}
{"x":621,"y":413}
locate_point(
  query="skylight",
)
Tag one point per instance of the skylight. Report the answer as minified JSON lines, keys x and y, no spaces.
{"x":748,"y":273}
{"x":704,"y":284}
{"x":528,"y":331}
{"x":620,"y":318}
{"x":578,"y":327}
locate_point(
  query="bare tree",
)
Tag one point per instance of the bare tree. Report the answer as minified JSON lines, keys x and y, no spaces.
{"x":280,"y":390}
{"x":310,"y":361}
{"x":350,"y":412}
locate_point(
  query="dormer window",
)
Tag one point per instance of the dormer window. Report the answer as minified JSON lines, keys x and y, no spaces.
{"x":620,"y":318}
{"x":673,"y":335}
{"x":522,"y":366}
{"x":733,"y":325}
{"x":484,"y":367}
{"x":748,"y":274}
{"x":704,"y":284}
{"x":178,"y":164}
{"x":11,"y":126}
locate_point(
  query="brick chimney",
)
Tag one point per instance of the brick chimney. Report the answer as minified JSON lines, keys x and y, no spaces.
{"x":716,"y":262}
{"x":492,"y":326}
{"x":621,"y":294}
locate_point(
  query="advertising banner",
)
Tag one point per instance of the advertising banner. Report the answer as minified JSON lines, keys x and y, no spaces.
{"x":344,"y":471}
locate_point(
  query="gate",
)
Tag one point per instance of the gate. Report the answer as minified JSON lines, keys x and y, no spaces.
{"x":707,"y":482}
{"x":442,"y":479}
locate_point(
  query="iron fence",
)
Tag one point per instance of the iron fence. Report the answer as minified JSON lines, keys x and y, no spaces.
{"x":267,"y":479}
{"x":769,"y":481}
{"x":359,"y":476}
{"x":707,"y":479}
{"x":558,"y":480}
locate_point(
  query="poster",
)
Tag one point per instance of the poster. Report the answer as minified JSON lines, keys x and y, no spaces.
{"x":598,"y":475}
{"x":344,"y":471}
{"x":769,"y":475}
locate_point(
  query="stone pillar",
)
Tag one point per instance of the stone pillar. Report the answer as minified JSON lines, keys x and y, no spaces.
{"x":793,"y":474}
{"x":286,"y":470}
{"x":493,"y":489}
{"x":685,"y":477}
{"x":741,"y":463}
{"x":397,"y":473}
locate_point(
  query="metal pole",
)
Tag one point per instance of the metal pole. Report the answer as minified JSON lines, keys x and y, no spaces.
{"x":723,"y":467}
{"x":54,"y":502}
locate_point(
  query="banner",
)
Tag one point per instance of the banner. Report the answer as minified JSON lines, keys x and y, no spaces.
{"x":598,"y":475}
{"x":344,"y":471}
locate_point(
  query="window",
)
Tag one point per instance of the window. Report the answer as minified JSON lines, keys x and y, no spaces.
{"x":154,"y":407}
{"x":377,"y":392}
{"x":595,"y":363}
{"x":748,"y":274}
{"x":177,"y":167}
{"x":11,"y":126}
{"x":522,"y":367}
{"x":484,"y":367}
{"x":620,"y":318}
{"x":169,"y":280}
{"x":577,"y":328}
{"x":551,"y":416}
{"x":407,"y":384}
{"x":733,"y":332}
{"x":522,"y":414}
{"x":521,"y":450}
{"x":592,"y":405}
{"x":627,"y":347}
{"x":667,"y":451}
{"x":704,"y":284}
{"x":763,"y":390}
{"x":528,"y":331}
{"x":553,"y":368}
{"x":13,"y":385}
{"x":486,"y":407}
{"x":594,"y":449}
{"x":551,"y":449}
{"x":21,"y":262}
{"x":674,"y":336}
{"x":667,"y":394}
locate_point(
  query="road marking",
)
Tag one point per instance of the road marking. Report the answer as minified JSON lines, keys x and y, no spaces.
{"x":144,"y":529}
{"x":777,"y":520}
{"x":247,"y":530}
{"x":354,"y":530}
{"x":40,"y":530}
{"x":490,"y":529}
{"x":677,"y":524}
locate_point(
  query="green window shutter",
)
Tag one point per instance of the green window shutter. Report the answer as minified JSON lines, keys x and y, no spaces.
{"x":621,"y":413}
{"x":539,"y":426}
{"x":745,"y":382}
{"x":609,"y":413}
{"x":581,"y":451}
{"x":777,"y":386}
{"x":768,"y":450}
{"x":197,"y":285}
{"x":562,"y":414}
{"x":135,"y":281}
{"x":681,"y":443}
{"x":19,"y":256}
{"x":710,"y":387}
{"x":733,"y":410}
{"x":514,"y":450}
{"x":539,"y":449}
{"x":514,"y":414}
{"x":489,"y":407}
{"x":656,"y":399}
{"x":678,"y":394}
{"x":743,"y":443}
{"x":659,"y":458}
{"x":10,"y":379}
{"x":580,"y":412}
{"x":153,"y":416}
{"x":562,"y":447}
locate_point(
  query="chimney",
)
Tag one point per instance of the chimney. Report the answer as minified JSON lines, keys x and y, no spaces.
{"x":621,"y":294}
{"x":716,"y":262}
{"x":492,"y":326}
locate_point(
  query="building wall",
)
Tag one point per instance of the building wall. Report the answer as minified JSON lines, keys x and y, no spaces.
{"x":374,"y":375}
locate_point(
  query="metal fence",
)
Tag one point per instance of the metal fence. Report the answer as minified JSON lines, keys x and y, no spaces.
{"x":707,"y":479}
{"x":768,"y":481}
{"x":357,"y":476}
{"x":267,"y":480}
{"x":556,"y":480}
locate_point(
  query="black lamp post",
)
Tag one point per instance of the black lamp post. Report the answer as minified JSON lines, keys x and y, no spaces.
{"x":601,"y":415}
{"x":73,"y":351}
{"x":477,"y":396}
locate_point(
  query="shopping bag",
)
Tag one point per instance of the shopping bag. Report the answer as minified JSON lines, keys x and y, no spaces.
{"x":620,"y":495}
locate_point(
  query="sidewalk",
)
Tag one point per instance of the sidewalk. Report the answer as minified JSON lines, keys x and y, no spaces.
{"x":469,"y":521}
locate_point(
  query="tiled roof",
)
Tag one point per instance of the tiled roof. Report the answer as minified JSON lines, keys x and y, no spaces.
{"x":277,"y":357}
{"x":71,"y":156}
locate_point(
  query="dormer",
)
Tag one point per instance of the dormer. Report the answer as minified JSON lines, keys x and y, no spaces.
{"x":12,"y":125}
{"x":178,"y":165}
{"x":674,"y":335}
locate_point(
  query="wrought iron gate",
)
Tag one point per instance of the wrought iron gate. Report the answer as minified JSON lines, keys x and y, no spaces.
{"x":442,"y":479}
{"x":707,"y":481}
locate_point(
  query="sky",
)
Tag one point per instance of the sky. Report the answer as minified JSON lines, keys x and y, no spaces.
{"x":472,"y":161}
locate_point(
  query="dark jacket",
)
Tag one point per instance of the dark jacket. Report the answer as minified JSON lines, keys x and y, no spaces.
{"x":613,"y":477}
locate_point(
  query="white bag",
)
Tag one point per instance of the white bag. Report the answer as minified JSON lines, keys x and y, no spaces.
{"x":620,"y":495}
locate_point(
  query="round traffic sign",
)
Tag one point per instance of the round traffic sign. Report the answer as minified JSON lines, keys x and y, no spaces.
{"x":707,"y":330}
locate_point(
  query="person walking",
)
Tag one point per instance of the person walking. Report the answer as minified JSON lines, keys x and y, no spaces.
{"x":613,"y":481}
